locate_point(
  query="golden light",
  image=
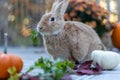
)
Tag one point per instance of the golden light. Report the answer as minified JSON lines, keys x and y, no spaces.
{"x":103,"y":4}
{"x":11,"y":18}
{"x":113,"y":18}
{"x":105,"y":21}
{"x":114,"y":11}
{"x":25,"y":31}
{"x":26,"y":21}
{"x":113,"y":6}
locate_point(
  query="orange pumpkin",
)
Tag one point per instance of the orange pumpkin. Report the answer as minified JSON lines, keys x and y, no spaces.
{"x":116,"y":35}
{"x":7,"y":61}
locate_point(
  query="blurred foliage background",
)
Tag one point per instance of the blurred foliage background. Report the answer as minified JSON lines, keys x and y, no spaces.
{"x":18,"y":17}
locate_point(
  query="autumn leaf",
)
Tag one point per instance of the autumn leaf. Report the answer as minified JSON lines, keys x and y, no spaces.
{"x":87,"y":69}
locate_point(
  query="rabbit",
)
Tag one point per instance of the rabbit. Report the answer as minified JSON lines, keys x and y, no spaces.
{"x":69,"y":40}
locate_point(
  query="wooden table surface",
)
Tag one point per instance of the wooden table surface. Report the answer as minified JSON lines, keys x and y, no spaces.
{"x":31,"y":54}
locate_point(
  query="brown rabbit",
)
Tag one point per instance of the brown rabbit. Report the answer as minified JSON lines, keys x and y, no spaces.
{"x":67,"y":39}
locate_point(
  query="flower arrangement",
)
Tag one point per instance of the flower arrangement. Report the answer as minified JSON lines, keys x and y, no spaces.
{"x":88,"y":12}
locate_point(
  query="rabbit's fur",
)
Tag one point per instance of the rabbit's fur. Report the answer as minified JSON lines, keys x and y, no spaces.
{"x":67,"y":39}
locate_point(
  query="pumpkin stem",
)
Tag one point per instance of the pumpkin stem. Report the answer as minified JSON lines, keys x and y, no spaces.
{"x":5,"y":42}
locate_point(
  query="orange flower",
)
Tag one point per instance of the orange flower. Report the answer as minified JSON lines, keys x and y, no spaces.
{"x":96,"y":15}
{"x":66,"y":17}
{"x":93,"y":24}
{"x":72,"y":13}
{"x":88,"y":12}
{"x":81,"y":1}
{"x":81,"y":8}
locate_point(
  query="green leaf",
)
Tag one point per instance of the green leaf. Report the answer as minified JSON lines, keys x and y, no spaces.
{"x":12,"y":70}
{"x":30,"y":69}
{"x":56,"y":68}
{"x":13,"y":74}
{"x":34,"y":36}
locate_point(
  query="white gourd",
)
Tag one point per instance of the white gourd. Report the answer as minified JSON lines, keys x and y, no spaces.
{"x":105,"y":59}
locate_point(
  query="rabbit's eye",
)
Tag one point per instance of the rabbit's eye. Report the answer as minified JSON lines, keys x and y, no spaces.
{"x":52,"y":19}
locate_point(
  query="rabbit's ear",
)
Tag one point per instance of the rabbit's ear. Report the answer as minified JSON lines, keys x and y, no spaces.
{"x":55,"y":3}
{"x":61,"y":7}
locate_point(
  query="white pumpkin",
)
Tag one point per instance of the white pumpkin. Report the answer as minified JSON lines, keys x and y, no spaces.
{"x":105,"y":59}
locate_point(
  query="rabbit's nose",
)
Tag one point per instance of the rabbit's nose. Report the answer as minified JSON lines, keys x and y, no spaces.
{"x":41,"y":28}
